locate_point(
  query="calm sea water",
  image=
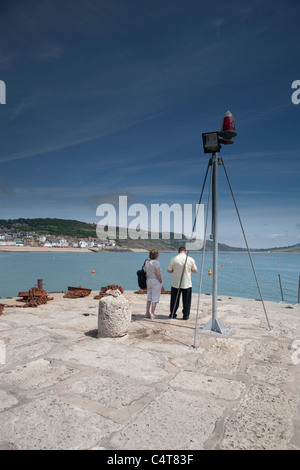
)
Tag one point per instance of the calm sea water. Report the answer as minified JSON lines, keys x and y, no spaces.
{"x":20,"y":271}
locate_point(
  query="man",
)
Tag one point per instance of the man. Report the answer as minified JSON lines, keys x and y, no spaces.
{"x":181,"y":266}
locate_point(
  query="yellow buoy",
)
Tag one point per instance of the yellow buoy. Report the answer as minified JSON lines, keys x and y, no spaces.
{"x":93,"y":272}
{"x":209,"y":272}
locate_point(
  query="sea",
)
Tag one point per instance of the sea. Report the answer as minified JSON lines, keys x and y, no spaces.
{"x":19,"y":271}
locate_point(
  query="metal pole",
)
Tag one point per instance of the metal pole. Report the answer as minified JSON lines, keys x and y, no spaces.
{"x":202,"y":262}
{"x":215,"y":325}
{"x":280,"y":288}
{"x":215,"y":238}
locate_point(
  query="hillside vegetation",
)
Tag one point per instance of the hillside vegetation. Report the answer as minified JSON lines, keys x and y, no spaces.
{"x":58,"y":227}
{"x":77,"y":229}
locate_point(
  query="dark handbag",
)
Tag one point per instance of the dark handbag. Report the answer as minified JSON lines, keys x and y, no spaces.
{"x":142,"y":278}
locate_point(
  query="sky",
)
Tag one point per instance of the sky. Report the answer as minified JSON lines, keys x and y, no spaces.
{"x":109,"y":98}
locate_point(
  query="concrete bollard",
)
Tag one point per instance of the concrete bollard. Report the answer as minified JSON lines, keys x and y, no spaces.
{"x":114,"y":316}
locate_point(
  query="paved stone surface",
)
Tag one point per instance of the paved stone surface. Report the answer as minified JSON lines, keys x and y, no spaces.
{"x":63,"y":387}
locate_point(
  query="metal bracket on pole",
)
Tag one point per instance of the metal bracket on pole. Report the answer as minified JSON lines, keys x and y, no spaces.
{"x":215,"y":326}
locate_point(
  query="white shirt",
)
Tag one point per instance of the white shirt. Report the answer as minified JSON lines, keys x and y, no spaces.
{"x":150,"y":268}
{"x":176,"y":266}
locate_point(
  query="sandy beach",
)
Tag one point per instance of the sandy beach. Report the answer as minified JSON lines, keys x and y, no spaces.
{"x":41,"y":249}
{"x":63,"y":387}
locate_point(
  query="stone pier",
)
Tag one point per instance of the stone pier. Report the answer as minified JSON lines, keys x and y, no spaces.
{"x":63,"y":387}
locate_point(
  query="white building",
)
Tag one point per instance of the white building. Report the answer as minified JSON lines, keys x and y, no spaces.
{"x":18,"y":243}
{"x":63,"y":243}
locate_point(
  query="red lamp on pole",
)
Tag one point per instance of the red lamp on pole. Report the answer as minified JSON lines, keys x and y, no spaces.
{"x":228,"y":131}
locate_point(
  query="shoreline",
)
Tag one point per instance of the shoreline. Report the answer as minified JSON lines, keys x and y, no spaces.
{"x":44,"y":249}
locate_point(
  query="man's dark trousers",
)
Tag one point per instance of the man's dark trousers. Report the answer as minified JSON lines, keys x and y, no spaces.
{"x":186,"y":301}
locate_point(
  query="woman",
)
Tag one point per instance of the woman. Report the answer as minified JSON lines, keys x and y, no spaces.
{"x":154,"y":283}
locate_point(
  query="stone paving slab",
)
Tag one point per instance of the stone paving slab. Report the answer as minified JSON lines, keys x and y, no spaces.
{"x":50,"y":423}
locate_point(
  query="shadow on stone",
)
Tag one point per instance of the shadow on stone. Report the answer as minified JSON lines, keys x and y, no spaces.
{"x":92,"y":333}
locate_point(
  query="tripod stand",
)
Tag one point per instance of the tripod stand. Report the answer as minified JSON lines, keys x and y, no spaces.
{"x":215,"y":325}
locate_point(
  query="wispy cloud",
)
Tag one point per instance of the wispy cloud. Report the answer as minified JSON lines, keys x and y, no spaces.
{"x":35,"y":101}
{"x":274,"y":235}
{"x":110,"y":198}
{"x":94,"y":128}
{"x":263,"y":154}
{"x":217,"y":23}
{"x":6,"y":190}
{"x":48,"y":52}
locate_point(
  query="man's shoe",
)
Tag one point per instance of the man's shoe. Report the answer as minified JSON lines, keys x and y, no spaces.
{"x":172,"y":316}
{"x":185,"y":318}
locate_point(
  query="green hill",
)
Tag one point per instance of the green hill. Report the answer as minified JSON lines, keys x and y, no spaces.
{"x":77,"y":229}
{"x":286,"y":249}
{"x":58,"y":227}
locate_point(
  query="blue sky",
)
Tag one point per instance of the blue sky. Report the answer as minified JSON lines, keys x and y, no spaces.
{"x":109,"y":98}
